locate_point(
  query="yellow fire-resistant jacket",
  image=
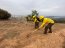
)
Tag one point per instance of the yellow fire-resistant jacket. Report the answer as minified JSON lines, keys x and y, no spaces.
{"x":46,"y":21}
{"x":35,"y":20}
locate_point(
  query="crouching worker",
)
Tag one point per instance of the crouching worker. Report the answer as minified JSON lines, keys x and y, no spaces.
{"x":47,"y":22}
{"x":36,"y":21}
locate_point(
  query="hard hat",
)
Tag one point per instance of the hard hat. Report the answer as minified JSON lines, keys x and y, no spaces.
{"x":41,"y":17}
{"x":33,"y":17}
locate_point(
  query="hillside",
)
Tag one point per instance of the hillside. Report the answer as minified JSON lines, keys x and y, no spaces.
{"x":58,"y":19}
{"x":16,"y":34}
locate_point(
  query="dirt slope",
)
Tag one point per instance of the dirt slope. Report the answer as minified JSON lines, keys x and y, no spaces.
{"x":15,"y":34}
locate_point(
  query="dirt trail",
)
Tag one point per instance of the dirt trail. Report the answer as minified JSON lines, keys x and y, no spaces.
{"x":13,"y":34}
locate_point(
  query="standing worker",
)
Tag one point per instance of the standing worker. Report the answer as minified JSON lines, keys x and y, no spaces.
{"x":47,"y":22}
{"x":36,"y":21}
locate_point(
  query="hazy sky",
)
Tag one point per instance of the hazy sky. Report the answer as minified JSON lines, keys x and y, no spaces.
{"x":24,"y":7}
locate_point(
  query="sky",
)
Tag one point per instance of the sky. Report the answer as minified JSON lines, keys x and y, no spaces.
{"x":44,"y":7}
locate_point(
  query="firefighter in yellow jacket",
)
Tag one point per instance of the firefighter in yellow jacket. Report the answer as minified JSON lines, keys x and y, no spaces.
{"x":47,"y":22}
{"x":36,"y":21}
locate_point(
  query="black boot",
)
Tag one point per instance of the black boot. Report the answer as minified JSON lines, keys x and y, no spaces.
{"x":45,"y":32}
{"x":50,"y":31}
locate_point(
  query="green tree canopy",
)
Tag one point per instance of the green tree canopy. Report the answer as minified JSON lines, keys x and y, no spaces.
{"x":34,"y":12}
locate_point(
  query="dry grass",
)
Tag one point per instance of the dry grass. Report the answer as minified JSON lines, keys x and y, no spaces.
{"x":13,"y":34}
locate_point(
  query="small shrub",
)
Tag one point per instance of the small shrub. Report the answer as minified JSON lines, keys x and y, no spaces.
{"x":4,"y":14}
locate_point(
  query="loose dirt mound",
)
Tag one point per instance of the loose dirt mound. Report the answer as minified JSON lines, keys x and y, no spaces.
{"x":15,"y":34}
